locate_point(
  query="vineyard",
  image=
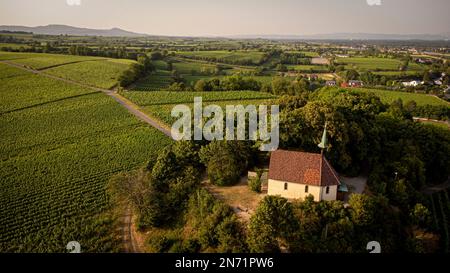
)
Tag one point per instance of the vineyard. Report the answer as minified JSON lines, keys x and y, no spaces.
{"x":101,"y":73}
{"x":229,"y":57}
{"x":159,"y":104}
{"x":60,"y":145}
{"x":44,"y":61}
{"x":154,"y":82}
{"x":440,"y":205}
{"x":372,"y":63}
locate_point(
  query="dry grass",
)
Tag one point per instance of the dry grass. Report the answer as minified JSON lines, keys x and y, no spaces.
{"x":239,"y":197}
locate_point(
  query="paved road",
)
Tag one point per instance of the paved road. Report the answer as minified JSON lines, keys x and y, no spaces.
{"x":130,"y":106}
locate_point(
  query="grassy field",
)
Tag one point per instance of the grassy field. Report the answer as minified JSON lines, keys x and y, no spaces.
{"x":60,"y":145}
{"x":160,"y":103}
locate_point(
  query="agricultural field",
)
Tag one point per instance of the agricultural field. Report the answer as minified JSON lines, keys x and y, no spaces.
{"x":159,"y":80}
{"x":399,"y":73}
{"x":100,"y":73}
{"x":440,"y":206}
{"x":388,"y":97}
{"x":41,"y":61}
{"x":60,"y":145}
{"x":253,"y":57}
{"x":13,"y":46}
{"x":308,"y":68}
{"x":159,"y":104}
{"x":193,"y":68}
{"x":372,"y":63}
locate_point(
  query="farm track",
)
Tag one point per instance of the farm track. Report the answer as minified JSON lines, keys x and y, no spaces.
{"x":130,"y":244}
{"x":130,"y":106}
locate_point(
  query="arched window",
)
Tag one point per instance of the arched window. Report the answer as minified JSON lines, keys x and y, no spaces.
{"x":285,"y":186}
{"x":327,"y":190}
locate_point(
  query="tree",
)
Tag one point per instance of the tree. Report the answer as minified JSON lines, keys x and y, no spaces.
{"x":274,"y":219}
{"x":225,"y":161}
{"x":420,"y":215}
{"x":426,"y":77}
{"x":362,"y":210}
{"x":351,"y":74}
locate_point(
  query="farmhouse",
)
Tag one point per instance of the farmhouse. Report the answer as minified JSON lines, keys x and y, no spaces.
{"x":411,"y":83}
{"x":355,"y":83}
{"x":330,"y":83}
{"x":295,"y":175}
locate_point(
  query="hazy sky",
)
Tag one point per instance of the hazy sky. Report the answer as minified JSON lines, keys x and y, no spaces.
{"x":235,"y":17}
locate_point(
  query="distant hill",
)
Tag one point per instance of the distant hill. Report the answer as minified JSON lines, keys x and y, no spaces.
{"x":348,"y":36}
{"x":69,"y":30}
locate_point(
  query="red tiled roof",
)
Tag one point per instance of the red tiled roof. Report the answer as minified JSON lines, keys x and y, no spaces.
{"x":303,"y":168}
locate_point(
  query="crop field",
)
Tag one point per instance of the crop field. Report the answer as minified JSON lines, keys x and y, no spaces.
{"x":101,"y":73}
{"x":160,"y":103}
{"x":390,"y":96}
{"x":440,"y":206}
{"x":160,"y":65}
{"x":43,"y":61}
{"x":372,"y":63}
{"x":193,"y":67}
{"x":60,"y":145}
{"x":308,"y":68}
{"x":224,"y":56}
{"x":399,"y":73}
{"x":156,"y":81}
{"x":14,"y":46}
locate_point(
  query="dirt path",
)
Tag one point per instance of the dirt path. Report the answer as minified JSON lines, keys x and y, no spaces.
{"x":129,"y":241}
{"x":130,"y":106}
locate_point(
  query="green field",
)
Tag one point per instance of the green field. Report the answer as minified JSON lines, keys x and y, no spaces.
{"x":193,"y":67}
{"x":160,"y":103}
{"x":60,"y":145}
{"x":41,"y":61}
{"x":388,"y":97}
{"x":224,"y":56}
{"x":399,"y":73}
{"x":159,"y":80}
{"x":308,"y":68}
{"x":100,"y":73}
{"x":372,"y":63}
{"x":14,"y":46}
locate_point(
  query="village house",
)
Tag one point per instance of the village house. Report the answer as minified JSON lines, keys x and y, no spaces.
{"x":330,"y":83}
{"x":352,"y":83}
{"x":411,"y":83}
